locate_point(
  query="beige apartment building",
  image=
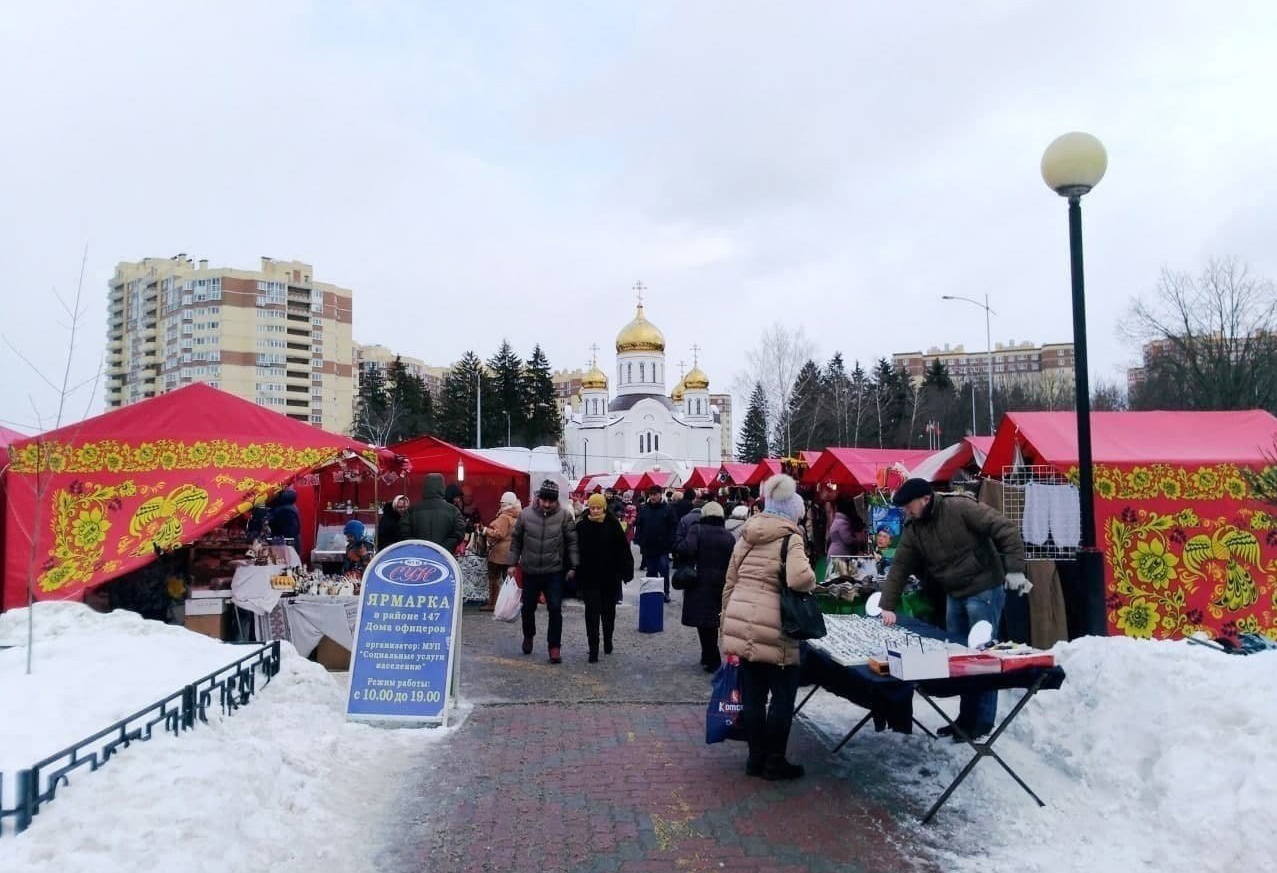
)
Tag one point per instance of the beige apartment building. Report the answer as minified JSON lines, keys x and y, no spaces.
{"x":274,"y":336}
{"x":723,"y":403}
{"x":1050,"y":364}
{"x":378,"y":357}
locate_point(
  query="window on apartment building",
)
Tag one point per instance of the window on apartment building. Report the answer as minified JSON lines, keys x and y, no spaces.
{"x":316,"y":419}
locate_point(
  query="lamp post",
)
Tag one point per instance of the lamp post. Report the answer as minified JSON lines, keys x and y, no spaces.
{"x":708,"y":440}
{"x":478,"y":409}
{"x":988,"y":345}
{"x":585,"y":464}
{"x":507,"y":429}
{"x":1071,"y":166}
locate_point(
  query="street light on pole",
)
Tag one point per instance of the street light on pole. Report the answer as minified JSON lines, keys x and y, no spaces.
{"x":507,"y":429}
{"x":1071,"y":166}
{"x":585,"y":464}
{"x":478,"y":409}
{"x":988,"y":345}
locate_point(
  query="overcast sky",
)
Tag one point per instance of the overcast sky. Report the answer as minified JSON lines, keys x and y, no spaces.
{"x":480,"y":170}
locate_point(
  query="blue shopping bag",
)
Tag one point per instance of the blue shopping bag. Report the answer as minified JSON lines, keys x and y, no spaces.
{"x":723,"y":717}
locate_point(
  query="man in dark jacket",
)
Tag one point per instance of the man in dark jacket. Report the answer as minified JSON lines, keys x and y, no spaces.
{"x":974,"y":553}
{"x":615,"y":505}
{"x":433,"y":519}
{"x":687,"y":504}
{"x":654,"y":532}
{"x":283,"y":518}
{"x":544,"y":544}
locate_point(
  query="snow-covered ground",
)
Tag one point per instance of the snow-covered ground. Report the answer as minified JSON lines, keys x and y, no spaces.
{"x":286,"y":783}
{"x":1152,"y":756}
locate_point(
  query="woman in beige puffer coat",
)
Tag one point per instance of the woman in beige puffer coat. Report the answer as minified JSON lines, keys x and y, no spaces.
{"x":751,"y":625}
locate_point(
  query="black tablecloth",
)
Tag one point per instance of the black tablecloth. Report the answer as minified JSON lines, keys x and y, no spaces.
{"x":890,"y":700}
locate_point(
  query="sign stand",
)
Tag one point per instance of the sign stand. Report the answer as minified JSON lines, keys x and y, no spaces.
{"x":403,"y":664}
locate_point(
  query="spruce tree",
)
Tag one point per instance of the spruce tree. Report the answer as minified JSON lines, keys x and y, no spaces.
{"x":859,"y":404}
{"x":457,"y":406}
{"x":837,"y":430}
{"x":544,"y":423}
{"x":753,"y":446}
{"x":370,"y":407}
{"x":507,"y":389}
{"x":409,"y":403}
{"x":809,"y":410}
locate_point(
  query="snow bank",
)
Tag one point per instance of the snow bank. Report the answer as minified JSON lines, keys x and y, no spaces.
{"x":1154,"y":755}
{"x":285,"y":783}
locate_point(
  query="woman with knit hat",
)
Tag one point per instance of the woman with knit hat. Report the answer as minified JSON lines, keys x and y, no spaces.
{"x":708,"y":547}
{"x":498,"y":533}
{"x":606,"y":562}
{"x":751,"y":624}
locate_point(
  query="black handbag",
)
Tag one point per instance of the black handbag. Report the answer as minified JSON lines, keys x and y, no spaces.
{"x":800,"y":615}
{"x":686,"y":577}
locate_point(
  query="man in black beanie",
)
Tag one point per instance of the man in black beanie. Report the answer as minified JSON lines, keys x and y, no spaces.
{"x":974,"y":553}
{"x":544,"y":544}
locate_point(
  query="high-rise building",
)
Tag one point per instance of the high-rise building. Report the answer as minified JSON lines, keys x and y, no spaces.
{"x":723,"y":403}
{"x":1012,"y":362}
{"x":567,"y":387}
{"x":274,"y":336}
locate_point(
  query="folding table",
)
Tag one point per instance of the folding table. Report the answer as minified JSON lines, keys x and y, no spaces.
{"x":889,"y":701}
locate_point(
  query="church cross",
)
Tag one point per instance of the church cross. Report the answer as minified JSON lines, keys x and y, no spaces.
{"x":696,"y":356}
{"x":594,"y":352}
{"x":682,"y":369}
{"x":639,"y":288}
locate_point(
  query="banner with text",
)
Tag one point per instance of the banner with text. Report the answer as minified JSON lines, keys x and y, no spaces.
{"x":401,"y":662}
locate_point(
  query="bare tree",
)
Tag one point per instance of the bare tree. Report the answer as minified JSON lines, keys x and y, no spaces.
{"x":774,"y":364}
{"x":44,"y":478}
{"x":1209,"y":342}
{"x":1108,"y":397}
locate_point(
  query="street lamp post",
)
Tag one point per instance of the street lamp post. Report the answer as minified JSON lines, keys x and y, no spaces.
{"x":507,"y":429}
{"x":478,"y":409}
{"x":708,"y":440}
{"x":586,"y":462}
{"x":988,"y":345}
{"x":1071,"y":166}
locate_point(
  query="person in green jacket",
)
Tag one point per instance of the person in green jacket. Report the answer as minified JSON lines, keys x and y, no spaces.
{"x":433,"y":519}
{"x":974,"y":553}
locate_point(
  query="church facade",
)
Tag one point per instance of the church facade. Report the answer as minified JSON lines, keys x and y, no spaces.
{"x":641,"y":427}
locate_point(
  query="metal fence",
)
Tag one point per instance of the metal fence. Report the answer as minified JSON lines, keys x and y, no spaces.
{"x":227,"y":688}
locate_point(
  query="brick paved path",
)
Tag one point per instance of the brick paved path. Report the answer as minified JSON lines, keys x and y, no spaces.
{"x":616,"y":775}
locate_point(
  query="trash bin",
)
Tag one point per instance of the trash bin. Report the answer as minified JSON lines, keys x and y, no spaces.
{"x":651,"y":605}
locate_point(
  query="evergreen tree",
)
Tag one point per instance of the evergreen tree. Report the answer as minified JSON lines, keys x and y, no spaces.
{"x":370,"y":407}
{"x":937,"y":376}
{"x":753,"y":446}
{"x":838,"y":392}
{"x":409,"y":403}
{"x":544,"y":422}
{"x":457,"y":401}
{"x":507,"y":389}
{"x":888,"y":410}
{"x":809,"y":410}
{"x":860,"y":403}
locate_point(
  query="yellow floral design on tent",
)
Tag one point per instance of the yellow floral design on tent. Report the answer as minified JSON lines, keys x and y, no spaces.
{"x":81,"y":521}
{"x":1215,"y":482}
{"x":119,"y":457}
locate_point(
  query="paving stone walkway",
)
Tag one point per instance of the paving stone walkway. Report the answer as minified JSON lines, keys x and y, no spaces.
{"x":603,"y":768}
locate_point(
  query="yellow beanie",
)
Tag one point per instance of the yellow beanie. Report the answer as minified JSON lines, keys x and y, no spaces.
{"x":596,"y":501}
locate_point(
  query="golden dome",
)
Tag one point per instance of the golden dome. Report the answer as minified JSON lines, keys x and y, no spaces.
{"x":640,"y":335}
{"x":696,"y":380}
{"x":677,"y":394}
{"x":594,"y":379}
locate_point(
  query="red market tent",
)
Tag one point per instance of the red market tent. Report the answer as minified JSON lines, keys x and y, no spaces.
{"x":10,"y":436}
{"x":737,"y":473}
{"x":484,"y":478}
{"x":861,"y":469}
{"x":628,"y":481}
{"x":703,"y":477}
{"x":766,"y":468}
{"x":659,"y":478}
{"x":1186,"y":546}
{"x":92,"y":501}
{"x":945,"y":464}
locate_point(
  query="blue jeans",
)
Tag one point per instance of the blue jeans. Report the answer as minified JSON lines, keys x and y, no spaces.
{"x":551,"y":584}
{"x":658,"y":565}
{"x":981,"y":708}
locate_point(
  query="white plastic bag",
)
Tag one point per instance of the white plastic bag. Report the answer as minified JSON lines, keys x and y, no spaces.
{"x":508,"y":601}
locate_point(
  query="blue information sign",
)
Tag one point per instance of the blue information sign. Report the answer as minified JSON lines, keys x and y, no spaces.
{"x":401,"y":663}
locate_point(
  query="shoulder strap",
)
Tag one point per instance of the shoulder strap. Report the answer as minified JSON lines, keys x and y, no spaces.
{"x":784,"y":559}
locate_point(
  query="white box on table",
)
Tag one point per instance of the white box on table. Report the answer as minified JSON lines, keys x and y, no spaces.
{"x":918,"y":658}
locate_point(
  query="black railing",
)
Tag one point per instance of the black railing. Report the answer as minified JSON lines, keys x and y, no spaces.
{"x":232,"y":686}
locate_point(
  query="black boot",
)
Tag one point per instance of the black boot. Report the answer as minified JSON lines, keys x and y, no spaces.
{"x":594,"y":655}
{"x":755,"y":762}
{"x":777,"y":768}
{"x":607,"y":645}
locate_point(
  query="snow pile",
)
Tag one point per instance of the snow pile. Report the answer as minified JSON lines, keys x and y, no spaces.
{"x":286,"y":783}
{"x":1153,"y":755}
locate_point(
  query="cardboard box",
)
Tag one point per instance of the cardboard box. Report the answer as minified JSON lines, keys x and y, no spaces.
{"x":205,"y":606}
{"x":331,"y":655}
{"x":919,"y":659}
{"x":209,"y":625}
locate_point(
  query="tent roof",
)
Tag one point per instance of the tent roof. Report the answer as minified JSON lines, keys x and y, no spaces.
{"x":766,"y":468}
{"x":703,"y":477}
{"x":860,"y":467}
{"x":944,"y":464}
{"x":198,"y":412}
{"x":1127,"y":438}
{"x":9,"y":436}
{"x":628,"y":481}
{"x":738,"y":473}
{"x":660,"y":478}
{"x":429,"y":454}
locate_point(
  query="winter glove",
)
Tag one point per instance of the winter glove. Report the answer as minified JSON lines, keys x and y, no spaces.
{"x":1019,"y":583}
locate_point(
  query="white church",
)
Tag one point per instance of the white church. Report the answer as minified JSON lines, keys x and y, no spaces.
{"x":642,"y":428}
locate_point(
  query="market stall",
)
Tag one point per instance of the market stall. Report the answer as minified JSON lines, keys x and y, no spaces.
{"x":964,"y":458}
{"x":863,"y":469}
{"x":703,"y":477}
{"x":157,"y":482}
{"x":1186,"y":546}
{"x":735,"y":474}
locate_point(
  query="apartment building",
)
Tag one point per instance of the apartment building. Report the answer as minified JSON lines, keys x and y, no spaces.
{"x":1012,"y":362}
{"x":567,"y":387}
{"x":723,"y":403}
{"x":274,"y":336}
{"x":378,"y":357}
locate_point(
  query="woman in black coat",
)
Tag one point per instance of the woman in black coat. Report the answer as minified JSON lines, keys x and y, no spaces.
{"x":388,"y":525}
{"x":606,"y":562}
{"x":709,"y":547}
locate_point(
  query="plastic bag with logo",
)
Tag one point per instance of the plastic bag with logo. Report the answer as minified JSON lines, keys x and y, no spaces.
{"x":723,"y":717}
